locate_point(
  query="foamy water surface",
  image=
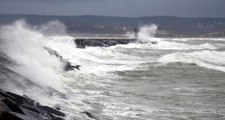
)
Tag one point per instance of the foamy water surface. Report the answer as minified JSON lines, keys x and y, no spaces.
{"x":176,"y":78}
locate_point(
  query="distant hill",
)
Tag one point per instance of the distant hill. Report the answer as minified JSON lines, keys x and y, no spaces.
{"x":169,"y":25}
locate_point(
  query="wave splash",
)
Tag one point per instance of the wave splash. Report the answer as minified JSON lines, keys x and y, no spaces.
{"x":25,"y":44}
{"x":147,"y":33}
{"x":147,"y":39}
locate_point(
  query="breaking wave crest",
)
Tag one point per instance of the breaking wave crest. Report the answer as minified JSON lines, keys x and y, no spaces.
{"x":208,"y":59}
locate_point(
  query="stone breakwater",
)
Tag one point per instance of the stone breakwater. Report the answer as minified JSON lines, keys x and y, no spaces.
{"x":107,"y":42}
{"x":16,"y":107}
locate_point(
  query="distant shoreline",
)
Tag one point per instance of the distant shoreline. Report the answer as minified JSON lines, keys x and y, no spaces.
{"x":168,"y":26}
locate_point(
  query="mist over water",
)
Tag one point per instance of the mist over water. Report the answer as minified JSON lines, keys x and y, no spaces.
{"x":152,"y":79}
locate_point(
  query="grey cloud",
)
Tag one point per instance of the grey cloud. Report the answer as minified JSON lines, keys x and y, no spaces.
{"x":188,"y":8}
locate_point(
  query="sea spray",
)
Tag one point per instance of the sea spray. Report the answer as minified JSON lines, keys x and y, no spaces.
{"x":147,"y":33}
{"x":51,"y":28}
{"x":25,"y":44}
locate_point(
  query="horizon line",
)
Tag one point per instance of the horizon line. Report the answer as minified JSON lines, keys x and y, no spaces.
{"x":30,"y":14}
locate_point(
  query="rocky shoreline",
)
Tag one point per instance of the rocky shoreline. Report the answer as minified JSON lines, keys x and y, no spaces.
{"x":16,"y":107}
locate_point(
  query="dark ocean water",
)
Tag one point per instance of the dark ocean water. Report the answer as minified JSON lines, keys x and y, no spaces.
{"x":175,"y":79}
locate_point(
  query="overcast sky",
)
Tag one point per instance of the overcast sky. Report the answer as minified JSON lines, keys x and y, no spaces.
{"x":128,"y":8}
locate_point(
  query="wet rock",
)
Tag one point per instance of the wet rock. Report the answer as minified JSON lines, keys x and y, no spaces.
{"x":154,"y":42}
{"x":194,"y":64}
{"x":69,"y":67}
{"x":16,"y":107}
{"x":90,"y":115}
{"x":8,"y":116}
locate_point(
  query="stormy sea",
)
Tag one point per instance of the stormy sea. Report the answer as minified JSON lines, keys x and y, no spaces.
{"x":150,"y":79}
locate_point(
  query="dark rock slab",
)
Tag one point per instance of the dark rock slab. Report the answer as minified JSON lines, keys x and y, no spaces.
{"x":67,"y":64}
{"x":82,"y":43}
{"x":16,"y":107}
{"x":90,"y":115}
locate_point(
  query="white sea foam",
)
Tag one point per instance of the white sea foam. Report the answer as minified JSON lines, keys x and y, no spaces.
{"x":94,"y":59}
{"x":165,"y":45}
{"x":194,"y":39}
{"x":169,"y":45}
{"x":26,"y":43}
{"x":208,"y":59}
